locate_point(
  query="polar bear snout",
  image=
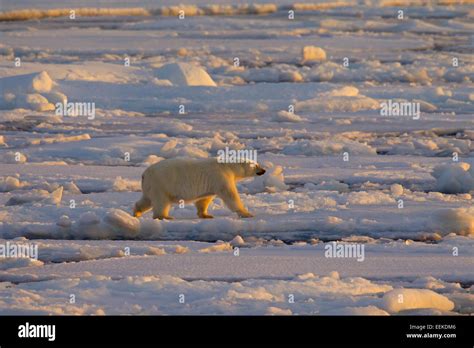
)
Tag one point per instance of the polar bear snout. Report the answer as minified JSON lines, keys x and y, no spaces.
{"x":261,"y":171}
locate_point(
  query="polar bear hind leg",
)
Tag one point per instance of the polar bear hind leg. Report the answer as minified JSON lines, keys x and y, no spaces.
{"x":202,"y":205}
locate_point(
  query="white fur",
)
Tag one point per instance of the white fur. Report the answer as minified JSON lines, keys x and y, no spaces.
{"x":193,"y":180}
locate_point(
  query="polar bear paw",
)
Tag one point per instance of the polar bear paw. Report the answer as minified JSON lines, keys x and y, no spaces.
{"x":163,"y":217}
{"x":206,"y":216}
{"x":244,"y":214}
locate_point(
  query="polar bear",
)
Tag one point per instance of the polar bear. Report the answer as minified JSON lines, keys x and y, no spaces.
{"x":193,"y":180}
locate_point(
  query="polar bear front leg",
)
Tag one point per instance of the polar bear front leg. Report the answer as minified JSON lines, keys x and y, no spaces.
{"x":161,"y":208}
{"x":202,"y":205}
{"x":231,"y":198}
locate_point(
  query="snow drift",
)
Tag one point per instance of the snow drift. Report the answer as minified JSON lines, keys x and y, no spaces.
{"x":458,"y":220}
{"x":30,"y":91}
{"x":345,"y":99}
{"x":398,"y":300}
{"x":454,"y":178}
{"x":185,"y":74}
{"x":313,"y":54}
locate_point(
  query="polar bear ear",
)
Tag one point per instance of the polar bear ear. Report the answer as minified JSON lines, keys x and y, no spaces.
{"x":252,"y":164}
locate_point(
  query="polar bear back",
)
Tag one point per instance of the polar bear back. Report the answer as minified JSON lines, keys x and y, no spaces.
{"x":185,"y":178}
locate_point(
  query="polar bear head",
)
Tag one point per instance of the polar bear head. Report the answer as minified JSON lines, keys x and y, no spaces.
{"x":246,"y":169}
